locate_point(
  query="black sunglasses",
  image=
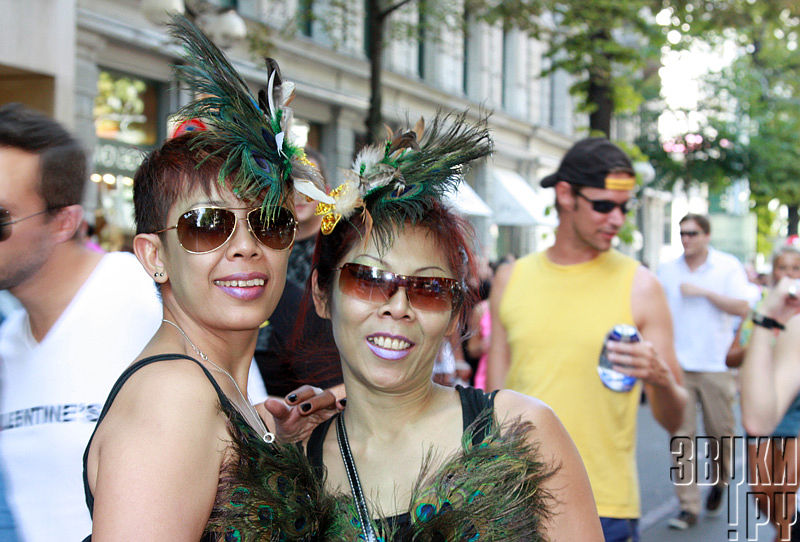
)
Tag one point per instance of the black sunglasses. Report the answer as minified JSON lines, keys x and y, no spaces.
{"x":605,"y":206}
{"x":205,"y":229}
{"x":690,"y":233}
{"x":6,"y":222}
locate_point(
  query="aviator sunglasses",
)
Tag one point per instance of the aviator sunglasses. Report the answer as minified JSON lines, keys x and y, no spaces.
{"x":205,"y":229}
{"x":605,"y":206}
{"x":6,"y":222}
{"x":374,"y":284}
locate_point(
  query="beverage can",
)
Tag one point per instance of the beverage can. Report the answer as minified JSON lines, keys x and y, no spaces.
{"x":614,"y":380}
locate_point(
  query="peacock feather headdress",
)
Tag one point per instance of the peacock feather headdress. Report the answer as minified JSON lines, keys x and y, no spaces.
{"x":395,"y":182}
{"x":260,"y":157}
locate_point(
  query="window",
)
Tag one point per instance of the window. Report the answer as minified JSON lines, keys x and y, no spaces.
{"x":421,"y":39}
{"x":128,"y":122}
{"x":465,"y":47}
{"x":506,"y":69}
{"x":305,"y":17}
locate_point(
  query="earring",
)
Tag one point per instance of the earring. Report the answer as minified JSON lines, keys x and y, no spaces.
{"x":158,"y":274}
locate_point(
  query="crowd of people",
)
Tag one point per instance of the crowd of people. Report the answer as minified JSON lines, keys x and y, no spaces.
{"x":465,"y":398}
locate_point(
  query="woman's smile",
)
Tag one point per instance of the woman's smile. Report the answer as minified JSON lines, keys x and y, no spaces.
{"x":388,"y":346}
{"x":246,"y":286}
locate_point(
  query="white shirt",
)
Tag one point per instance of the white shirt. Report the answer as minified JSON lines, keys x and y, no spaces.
{"x":704,"y":333}
{"x":53,"y":392}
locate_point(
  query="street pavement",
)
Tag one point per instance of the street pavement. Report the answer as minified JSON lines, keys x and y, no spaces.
{"x":738,"y":520}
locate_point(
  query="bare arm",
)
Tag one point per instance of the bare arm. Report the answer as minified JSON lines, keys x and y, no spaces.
{"x":769,"y":376}
{"x":158,"y":457}
{"x":574,"y":513}
{"x":731,"y":305}
{"x":499,"y":359}
{"x":735,"y":355}
{"x":653,"y":360}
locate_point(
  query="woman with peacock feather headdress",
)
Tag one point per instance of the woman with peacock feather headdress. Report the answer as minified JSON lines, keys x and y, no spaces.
{"x":215,"y":223}
{"x":409,"y":459}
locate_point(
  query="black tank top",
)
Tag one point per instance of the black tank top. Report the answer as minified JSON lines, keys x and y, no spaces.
{"x":474,"y":402}
{"x":224,"y":403}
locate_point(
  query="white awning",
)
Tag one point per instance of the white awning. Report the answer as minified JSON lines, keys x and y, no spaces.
{"x":467,"y":202}
{"x":516,"y":203}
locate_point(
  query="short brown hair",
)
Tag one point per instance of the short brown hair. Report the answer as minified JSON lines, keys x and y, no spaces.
{"x":174,"y":169}
{"x":700,"y":220}
{"x":62,"y":161}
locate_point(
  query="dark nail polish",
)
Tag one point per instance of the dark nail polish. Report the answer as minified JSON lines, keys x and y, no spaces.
{"x":305,"y":407}
{"x":343,"y":402}
{"x":292,"y":397}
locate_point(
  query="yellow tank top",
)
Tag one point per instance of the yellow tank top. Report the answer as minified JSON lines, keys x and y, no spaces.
{"x":556,"y":318}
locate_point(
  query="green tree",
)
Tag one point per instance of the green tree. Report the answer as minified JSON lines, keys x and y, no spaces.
{"x":604,"y":45}
{"x":752,"y":113}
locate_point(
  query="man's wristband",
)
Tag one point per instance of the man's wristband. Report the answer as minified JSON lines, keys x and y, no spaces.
{"x":766,"y":321}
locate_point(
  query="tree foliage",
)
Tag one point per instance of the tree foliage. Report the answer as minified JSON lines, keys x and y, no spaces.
{"x":605,"y":46}
{"x":751,"y":107}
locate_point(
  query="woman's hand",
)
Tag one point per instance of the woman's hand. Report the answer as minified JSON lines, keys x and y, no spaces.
{"x":296,"y":416}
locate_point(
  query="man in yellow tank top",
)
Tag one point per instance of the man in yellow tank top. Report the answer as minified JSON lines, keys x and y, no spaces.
{"x":550,"y":314}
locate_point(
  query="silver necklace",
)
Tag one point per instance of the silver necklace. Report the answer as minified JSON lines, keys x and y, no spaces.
{"x":247,"y":411}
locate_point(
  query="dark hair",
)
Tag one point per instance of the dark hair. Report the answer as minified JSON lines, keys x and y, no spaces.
{"x":62,"y":161}
{"x":700,"y":220}
{"x":170,"y":171}
{"x":453,"y":235}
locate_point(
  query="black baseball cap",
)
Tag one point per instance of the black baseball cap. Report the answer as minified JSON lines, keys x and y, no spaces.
{"x":589,"y":162}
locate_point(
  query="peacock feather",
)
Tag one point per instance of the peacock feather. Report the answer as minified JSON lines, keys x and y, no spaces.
{"x":394,"y":183}
{"x":489,"y":491}
{"x":261,"y":160}
{"x":270,"y":492}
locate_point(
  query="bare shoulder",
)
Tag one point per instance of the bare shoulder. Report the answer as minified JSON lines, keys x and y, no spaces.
{"x":170,"y":393}
{"x":648,"y":300}
{"x":510,"y":405}
{"x":174,"y":377}
{"x":645,"y":283}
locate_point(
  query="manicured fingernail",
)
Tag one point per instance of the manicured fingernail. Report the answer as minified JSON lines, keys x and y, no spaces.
{"x":292,"y":397}
{"x":305,"y":407}
{"x":343,"y":402}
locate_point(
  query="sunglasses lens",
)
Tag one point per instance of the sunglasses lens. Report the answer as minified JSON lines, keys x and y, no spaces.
{"x":371,"y":284}
{"x":205,"y":229}
{"x":604,"y":206}
{"x":364,"y":282}
{"x":431,"y":294}
{"x":275,"y":231}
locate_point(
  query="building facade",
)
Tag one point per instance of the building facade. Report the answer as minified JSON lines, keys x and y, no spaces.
{"x":103,"y":68}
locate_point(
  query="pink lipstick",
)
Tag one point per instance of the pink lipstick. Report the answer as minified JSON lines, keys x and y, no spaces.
{"x":245,"y":286}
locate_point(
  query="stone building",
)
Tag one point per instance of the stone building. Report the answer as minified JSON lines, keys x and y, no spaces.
{"x":103,"y":68}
